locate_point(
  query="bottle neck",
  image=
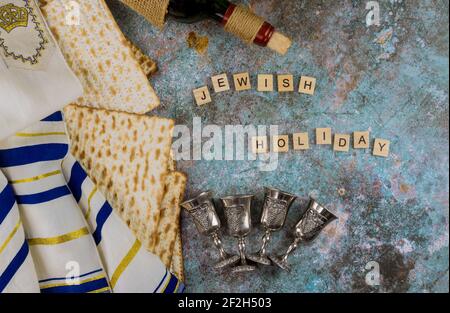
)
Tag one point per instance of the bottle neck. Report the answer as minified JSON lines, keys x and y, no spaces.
{"x":264,"y":34}
{"x":191,"y":11}
{"x":219,"y":9}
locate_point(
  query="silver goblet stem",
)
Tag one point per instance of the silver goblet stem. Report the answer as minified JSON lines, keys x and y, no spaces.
{"x":315,"y":219}
{"x":241,"y":245}
{"x":281,"y":261}
{"x":205,"y":217}
{"x":225,"y":258}
{"x":273,"y":216}
{"x":243,"y":266}
{"x":291,"y":249}
{"x":219,"y":246}
{"x":265,"y":241}
{"x":261,"y":256}
{"x":237,"y":212}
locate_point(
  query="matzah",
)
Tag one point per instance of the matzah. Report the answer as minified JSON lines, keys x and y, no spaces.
{"x":177,"y":264}
{"x":145,"y":62}
{"x":172,"y":162}
{"x":169,"y":216}
{"x":99,"y":55}
{"x":127,"y":156}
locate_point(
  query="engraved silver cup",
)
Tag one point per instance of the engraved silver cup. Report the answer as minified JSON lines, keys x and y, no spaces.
{"x":239,"y":224}
{"x":204,"y":214}
{"x":275,"y":209}
{"x":307,"y":229}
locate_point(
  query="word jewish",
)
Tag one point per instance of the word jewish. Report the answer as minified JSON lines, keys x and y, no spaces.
{"x":265,"y":83}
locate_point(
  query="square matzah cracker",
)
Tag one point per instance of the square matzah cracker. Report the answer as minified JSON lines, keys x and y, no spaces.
{"x":127,"y":156}
{"x":168,"y":227}
{"x":177,"y":264}
{"x":145,"y":62}
{"x":99,"y":55}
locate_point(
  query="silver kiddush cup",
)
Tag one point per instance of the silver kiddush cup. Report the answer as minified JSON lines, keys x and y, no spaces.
{"x":275,"y":209}
{"x":203,"y":211}
{"x":239,"y":224}
{"x":307,"y":229}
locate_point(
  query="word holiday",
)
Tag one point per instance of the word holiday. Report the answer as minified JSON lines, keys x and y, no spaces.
{"x":340,"y":142}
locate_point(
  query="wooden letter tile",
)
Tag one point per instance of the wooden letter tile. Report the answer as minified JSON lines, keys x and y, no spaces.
{"x":259,"y":144}
{"x":323,"y":136}
{"x":381,"y":147}
{"x":285,"y":83}
{"x":265,"y":82}
{"x":361,"y":140}
{"x":280,"y":143}
{"x":307,"y":85}
{"x":341,"y":142}
{"x":220,"y":83}
{"x":242,"y":81}
{"x":202,"y":95}
{"x":301,"y":141}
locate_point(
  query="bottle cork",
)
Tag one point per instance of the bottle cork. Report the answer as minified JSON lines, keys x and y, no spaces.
{"x":279,"y":43}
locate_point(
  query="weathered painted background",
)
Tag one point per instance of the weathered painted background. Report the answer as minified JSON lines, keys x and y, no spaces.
{"x":391,"y":79}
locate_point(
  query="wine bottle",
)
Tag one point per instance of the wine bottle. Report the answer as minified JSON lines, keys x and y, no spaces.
{"x":192,"y":11}
{"x":238,"y":20}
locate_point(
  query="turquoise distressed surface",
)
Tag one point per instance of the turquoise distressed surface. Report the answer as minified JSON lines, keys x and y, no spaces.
{"x":391,"y":79}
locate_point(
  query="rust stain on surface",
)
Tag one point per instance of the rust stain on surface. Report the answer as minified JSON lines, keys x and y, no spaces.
{"x":198,"y":43}
{"x":404,"y":188}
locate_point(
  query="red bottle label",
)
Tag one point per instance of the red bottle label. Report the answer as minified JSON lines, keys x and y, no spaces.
{"x":264,"y":34}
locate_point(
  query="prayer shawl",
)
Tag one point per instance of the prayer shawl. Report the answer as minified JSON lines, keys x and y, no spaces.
{"x":76,"y":242}
{"x":16,"y":266}
{"x":33,"y":71}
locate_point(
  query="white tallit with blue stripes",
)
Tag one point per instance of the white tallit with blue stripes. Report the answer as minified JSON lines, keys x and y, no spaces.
{"x":130,"y":266}
{"x":76,"y":241}
{"x":63,"y":251}
{"x":16,"y":266}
